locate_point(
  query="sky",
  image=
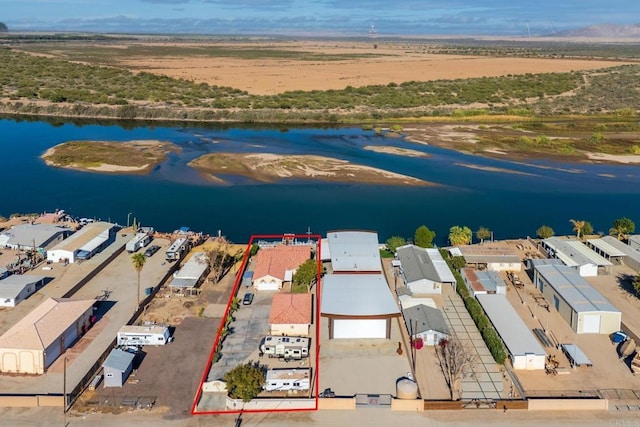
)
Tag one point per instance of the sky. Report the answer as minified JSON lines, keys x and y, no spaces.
{"x":318,"y":17}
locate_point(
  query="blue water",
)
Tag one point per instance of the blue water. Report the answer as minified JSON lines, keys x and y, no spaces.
{"x":174,"y":195}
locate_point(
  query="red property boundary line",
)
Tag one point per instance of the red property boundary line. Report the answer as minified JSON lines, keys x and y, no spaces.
{"x":236,"y":285}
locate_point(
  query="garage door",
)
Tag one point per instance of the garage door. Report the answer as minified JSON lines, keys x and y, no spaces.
{"x":591,"y":324}
{"x":370,"y":328}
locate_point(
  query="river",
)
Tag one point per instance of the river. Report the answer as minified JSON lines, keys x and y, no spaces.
{"x":173,"y":195}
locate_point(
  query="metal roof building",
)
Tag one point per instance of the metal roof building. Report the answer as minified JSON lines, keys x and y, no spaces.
{"x":358,"y":305}
{"x":610,"y":247}
{"x":423,"y":270}
{"x":574,"y":253}
{"x":579,"y":303}
{"x":25,"y":236}
{"x":191,"y":272}
{"x":483,"y":282}
{"x":524,"y":349}
{"x":89,"y":238}
{"x":18,"y":287}
{"x":354,"y":251}
{"x":496,"y":256}
{"x":427,"y":323}
{"x":117,"y":367}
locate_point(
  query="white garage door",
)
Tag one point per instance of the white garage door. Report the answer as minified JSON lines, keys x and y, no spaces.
{"x":591,"y":324}
{"x":369,"y":328}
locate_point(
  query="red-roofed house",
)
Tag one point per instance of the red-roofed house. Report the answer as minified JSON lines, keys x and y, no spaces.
{"x":277,"y":264}
{"x":37,"y":340}
{"x":291,"y":314}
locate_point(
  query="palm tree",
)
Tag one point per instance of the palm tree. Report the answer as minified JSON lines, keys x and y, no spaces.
{"x":138,"y":261}
{"x":577,"y":226}
{"x":460,"y":235}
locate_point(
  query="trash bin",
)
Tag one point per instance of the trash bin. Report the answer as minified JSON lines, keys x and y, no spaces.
{"x":148,"y":291}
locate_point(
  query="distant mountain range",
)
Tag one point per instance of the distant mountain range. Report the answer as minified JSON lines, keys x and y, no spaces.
{"x":604,"y":31}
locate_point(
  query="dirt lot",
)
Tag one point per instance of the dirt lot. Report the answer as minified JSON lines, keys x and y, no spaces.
{"x":389,"y":63}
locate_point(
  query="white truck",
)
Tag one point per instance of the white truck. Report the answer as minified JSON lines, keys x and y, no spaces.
{"x":140,"y":240}
{"x":288,"y":348}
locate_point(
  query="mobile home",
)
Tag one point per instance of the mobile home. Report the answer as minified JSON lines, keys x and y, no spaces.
{"x":143,"y":335}
{"x":287,"y":379}
{"x":177,"y":249}
{"x":140,"y":240}
{"x":294,"y":348}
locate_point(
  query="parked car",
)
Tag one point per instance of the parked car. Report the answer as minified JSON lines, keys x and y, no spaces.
{"x":151,"y":250}
{"x":248,"y":298}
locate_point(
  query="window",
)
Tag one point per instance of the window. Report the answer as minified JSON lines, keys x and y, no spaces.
{"x":556,"y":302}
{"x":109,"y":375}
{"x":296,"y":384}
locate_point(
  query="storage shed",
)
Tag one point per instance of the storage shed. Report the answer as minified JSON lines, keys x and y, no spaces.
{"x":18,"y":287}
{"x":423,"y":270}
{"x":579,"y":304}
{"x":525,"y":351}
{"x":117,"y":367}
{"x":37,"y":340}
{"x":358,"y":306}
{"x":426,"y":323}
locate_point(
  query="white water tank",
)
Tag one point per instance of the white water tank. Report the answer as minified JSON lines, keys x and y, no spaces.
{"x":407,"y":389}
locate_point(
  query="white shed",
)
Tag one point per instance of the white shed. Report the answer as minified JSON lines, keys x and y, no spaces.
{"x":426,"y":323}
{"x":525,"y":351}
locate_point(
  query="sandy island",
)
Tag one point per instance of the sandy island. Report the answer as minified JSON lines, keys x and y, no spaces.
{"x":396,"y":150}
{"x":131,"y":157}
{"x":266,"y":167}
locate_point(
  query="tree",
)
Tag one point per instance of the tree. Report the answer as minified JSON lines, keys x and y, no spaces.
{"x":305,"y":276}
{"x":138,"y":260}
{"x":219,"y":258}
{"x":587,"y":229}
{"x":578,"y":226}
{"x":394,"y":242}
{"x":544,"y":232}
{"x":423,"y":237}
{"x":636,"y":284}
{"x":3,"y":27}
{"x":483,"y":233}
{"x":622,"y":227}
{"x":245,"y":381}
{"x":460,"y":235}
{"x":455,"y":361}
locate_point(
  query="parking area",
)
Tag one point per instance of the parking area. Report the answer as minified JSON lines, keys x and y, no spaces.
{"x":115,"y":286}
{"x":607,"y":371}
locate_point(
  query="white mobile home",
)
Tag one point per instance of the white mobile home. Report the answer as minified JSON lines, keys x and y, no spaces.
{"x":423,"y":270}
{"x":140,"y":240}
{"x":285,"y":347}
{"x":143,"y":335}
{"x":525,"y":351}
{"x":177,"y":248}
{"x":16,"y":288}
{"x":287,"y":379}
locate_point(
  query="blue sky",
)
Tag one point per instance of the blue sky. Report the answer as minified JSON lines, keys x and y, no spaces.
{"x":321,"y":17}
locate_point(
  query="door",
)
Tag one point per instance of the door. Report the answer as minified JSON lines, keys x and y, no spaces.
{"x":369,"y":328}
{"x":591,"y":324}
